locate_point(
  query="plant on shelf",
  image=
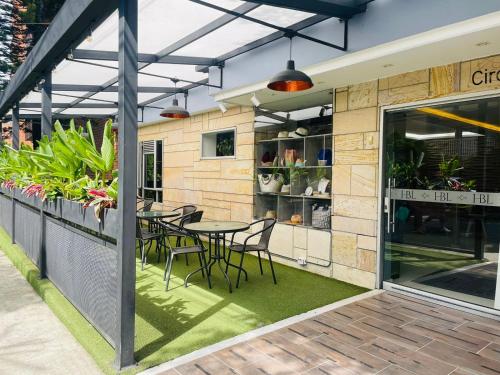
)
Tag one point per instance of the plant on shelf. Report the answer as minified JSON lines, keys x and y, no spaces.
{"x":297,"y":180}
{"x":69,"y":166}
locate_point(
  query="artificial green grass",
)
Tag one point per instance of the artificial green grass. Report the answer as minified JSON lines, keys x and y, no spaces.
{"x":177,"y":322}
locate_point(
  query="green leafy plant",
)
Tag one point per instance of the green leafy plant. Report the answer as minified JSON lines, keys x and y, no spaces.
{"x":225,"y":147}
{"x":69,"y":165}
{"x":449,"y":171}
{"x":407,"y":174}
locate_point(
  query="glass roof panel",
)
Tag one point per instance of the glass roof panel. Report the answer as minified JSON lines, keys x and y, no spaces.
{"x":70,"y":72}
{"x":89,"y":111}
{"x":231,"y":36}
{"x":161,"y":23}
{"x":279,"y":16}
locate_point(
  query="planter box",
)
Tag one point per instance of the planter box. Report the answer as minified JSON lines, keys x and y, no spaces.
{"x":30,"y":201}
{"x":85,"y":217}
{"x":72,"y":212}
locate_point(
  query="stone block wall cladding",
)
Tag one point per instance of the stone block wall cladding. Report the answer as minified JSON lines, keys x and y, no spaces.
{"x":356,"y":152}
{"x":222,"y":188}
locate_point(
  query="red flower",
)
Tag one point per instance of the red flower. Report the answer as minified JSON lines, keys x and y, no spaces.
{"x":34,"y":190}
{"x":98,"y":193}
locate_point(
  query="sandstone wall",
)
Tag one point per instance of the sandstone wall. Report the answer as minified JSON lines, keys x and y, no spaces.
{"x":356,"y":155}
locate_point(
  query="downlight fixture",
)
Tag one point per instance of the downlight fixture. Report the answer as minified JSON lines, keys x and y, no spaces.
{"x":175,"y":111}
{"x":256,"y":102}
{"x":290,"y":79}
{"x":222,"y":107}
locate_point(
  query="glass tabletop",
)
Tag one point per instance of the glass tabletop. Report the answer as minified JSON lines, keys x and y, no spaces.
{"x":156,"y":214}
{"x":217,"y":226}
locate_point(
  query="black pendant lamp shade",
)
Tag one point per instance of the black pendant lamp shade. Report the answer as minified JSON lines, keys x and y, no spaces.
{"x":290,"y":79}
{"x":174,"y":111}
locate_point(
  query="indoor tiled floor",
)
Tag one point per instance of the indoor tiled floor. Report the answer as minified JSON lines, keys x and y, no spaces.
{"x":385,"y":334}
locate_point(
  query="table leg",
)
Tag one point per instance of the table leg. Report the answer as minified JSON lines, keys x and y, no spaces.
{"x":219,"y":257}
{"x":211,"y":258}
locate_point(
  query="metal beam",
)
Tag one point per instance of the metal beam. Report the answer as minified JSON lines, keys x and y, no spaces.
{"x":311,"y":21}
{"x":15,"y":127}
{"x":147,"y":103}
{"x":34,"y":116}
{"x":64,"y":32}
{"x":86,"y":54}
{"x":65,"y":106}
{"x":127,"y":172}
{"x":331,"y":8}
{"x":188,"y":39}
{"x":101,"y":88}
{"x":288,"y":32}
{"x":46,"y":105}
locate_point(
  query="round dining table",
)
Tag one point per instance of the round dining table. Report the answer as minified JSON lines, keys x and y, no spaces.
{"x":154,"y":215}
{"x":216,"y":231}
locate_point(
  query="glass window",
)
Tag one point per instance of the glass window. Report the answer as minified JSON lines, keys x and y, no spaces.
{"x":218,"y":144}
{"x":150,"y":181}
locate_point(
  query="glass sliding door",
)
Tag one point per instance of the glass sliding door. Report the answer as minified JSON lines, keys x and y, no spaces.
{"x":442,"y":199}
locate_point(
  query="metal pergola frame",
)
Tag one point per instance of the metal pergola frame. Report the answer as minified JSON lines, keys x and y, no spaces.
{"x":58,"y":42}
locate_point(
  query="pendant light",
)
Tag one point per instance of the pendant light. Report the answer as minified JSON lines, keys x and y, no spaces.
{"x":290,"y":79}
{"x":175,"y":111}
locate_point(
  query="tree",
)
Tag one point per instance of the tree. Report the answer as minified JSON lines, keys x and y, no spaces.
{"x":5,"y":41}
{"x":22,"y":23}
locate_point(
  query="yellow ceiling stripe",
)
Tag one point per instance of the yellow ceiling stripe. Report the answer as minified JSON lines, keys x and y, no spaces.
{"x":451,"y":116}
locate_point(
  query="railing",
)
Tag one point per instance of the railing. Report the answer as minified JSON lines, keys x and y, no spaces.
{"x":75,"y":251}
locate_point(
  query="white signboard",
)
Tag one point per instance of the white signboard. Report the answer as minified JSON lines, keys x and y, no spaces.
{"x":446,"y":196}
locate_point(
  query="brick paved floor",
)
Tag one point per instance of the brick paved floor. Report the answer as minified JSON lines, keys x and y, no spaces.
{"x":386,"y":334}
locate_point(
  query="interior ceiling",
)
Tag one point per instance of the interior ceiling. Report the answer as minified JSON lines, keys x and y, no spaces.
{"x":384,"y":61}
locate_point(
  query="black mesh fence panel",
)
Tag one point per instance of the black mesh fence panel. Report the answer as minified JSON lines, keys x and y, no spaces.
{"x":6,"y":213}
{"x":27,"y":231}
{"x":85,"y":270}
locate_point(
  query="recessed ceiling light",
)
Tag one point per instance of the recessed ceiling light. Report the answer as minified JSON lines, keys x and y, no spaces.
{"x":482,"y":44}
{"x":387,"y":65}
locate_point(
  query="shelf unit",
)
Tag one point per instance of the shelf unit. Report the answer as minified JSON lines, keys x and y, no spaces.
{"x":296,"y":202}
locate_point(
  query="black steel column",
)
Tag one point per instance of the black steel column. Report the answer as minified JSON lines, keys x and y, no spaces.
{"x":15,"y":145}
{"x":15,"y":126}
{"x":47,"y":105}
{"x":127,"y":169}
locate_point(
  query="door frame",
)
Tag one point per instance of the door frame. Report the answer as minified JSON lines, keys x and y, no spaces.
{"x":380,"y":283}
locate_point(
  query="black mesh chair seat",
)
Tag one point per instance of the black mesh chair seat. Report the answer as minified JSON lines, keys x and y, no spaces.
{"x":187,"y":250}
{"x":196,"y":248}
{"x":262,"y":246}
{"x":242,"y":248}
{"x":146,"y":235}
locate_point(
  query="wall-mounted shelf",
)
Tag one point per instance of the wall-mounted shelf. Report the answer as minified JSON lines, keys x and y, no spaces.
{"x":299,"y":178}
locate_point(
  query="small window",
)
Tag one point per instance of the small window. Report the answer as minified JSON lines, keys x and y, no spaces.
{"x":150,"y":168}
{"x":219,"y":144}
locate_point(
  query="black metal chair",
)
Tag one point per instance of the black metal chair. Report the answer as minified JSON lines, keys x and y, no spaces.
{"x":195,"y":248}
{"x":147,"y":204}
{"x":144,"y":237}
{"x":185,"y":210}
{"x":172,"y":229}
{"x":261,"y":246}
